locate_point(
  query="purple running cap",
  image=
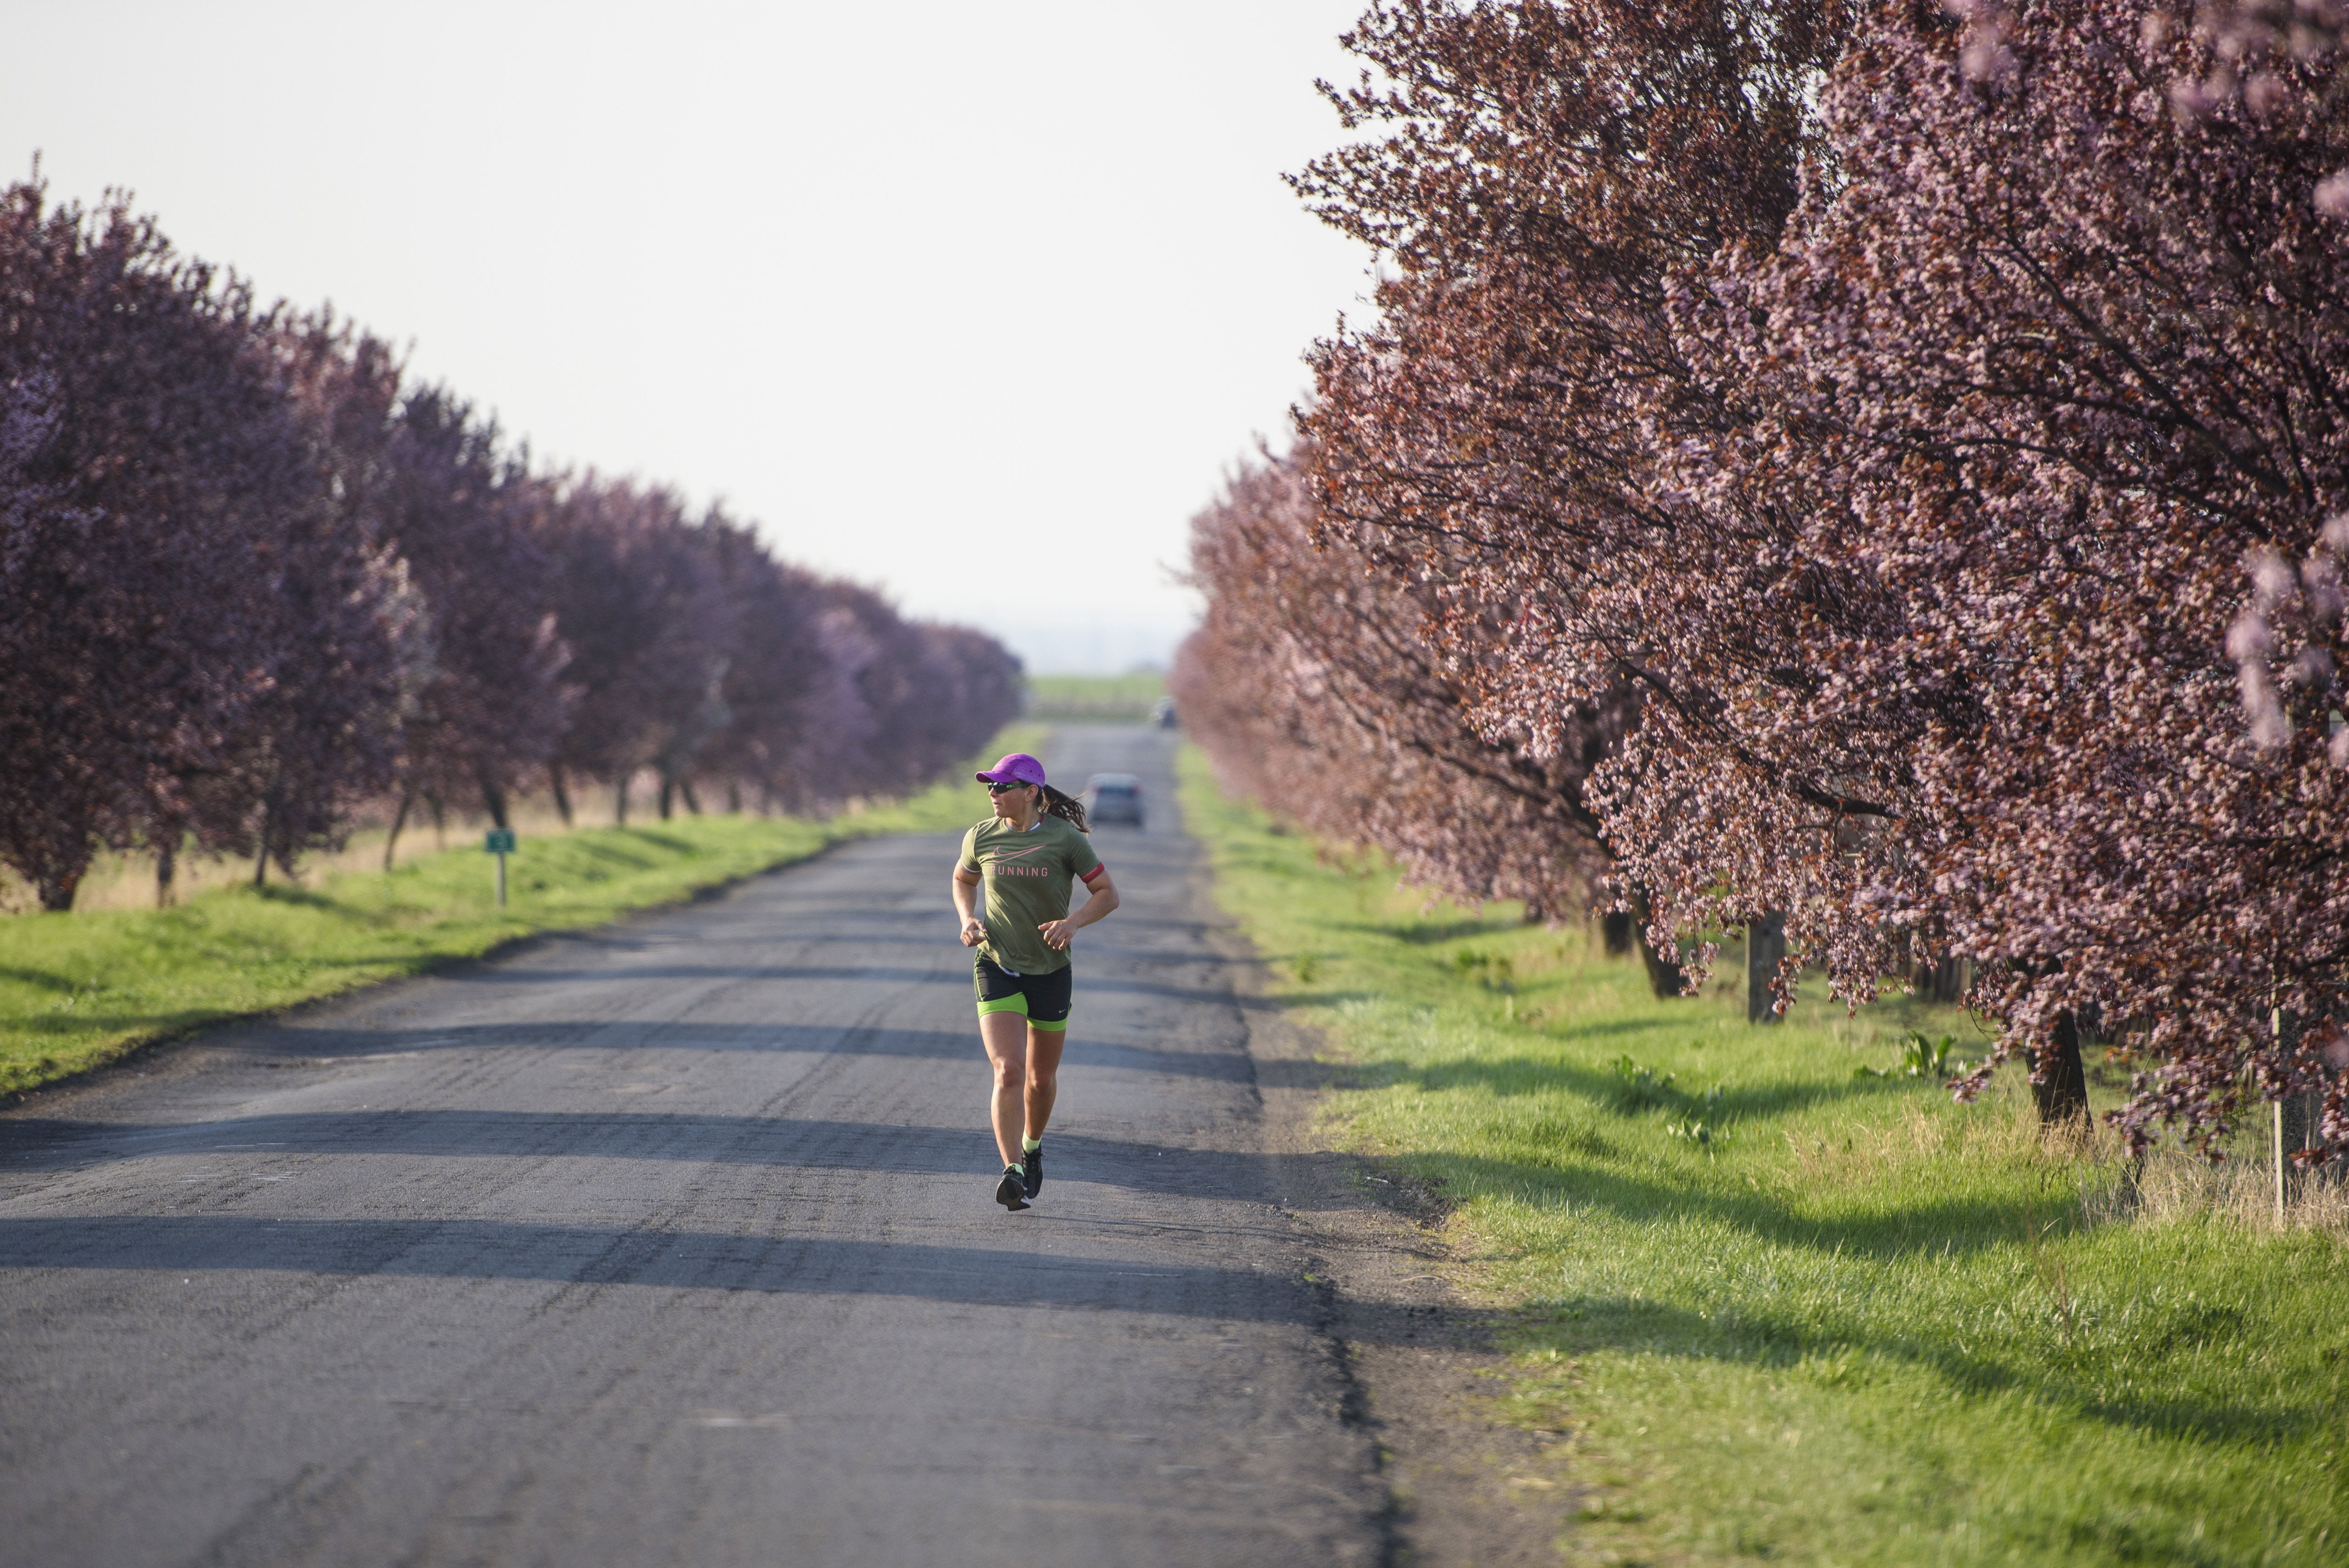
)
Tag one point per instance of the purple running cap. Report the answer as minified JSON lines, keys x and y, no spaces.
{"x":1018,"y":768}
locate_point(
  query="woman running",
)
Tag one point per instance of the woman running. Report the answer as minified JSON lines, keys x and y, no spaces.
{"x":1026,"y":856}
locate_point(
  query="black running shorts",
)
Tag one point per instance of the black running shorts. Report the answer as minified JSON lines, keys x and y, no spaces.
{"x":1045,"y":999}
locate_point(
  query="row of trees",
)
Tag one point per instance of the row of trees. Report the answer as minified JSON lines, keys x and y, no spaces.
{"x":253,"y":576}
{"x":1891,"y":461}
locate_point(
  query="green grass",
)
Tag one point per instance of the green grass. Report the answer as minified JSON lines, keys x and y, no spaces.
{"x":1856,"y":1324}
{"x":81,"y":989}
{"x":1094,"y":699}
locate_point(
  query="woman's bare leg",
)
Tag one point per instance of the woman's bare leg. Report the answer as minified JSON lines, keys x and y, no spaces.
{"x":1005,"y":1035}
{"x":1044,"y":1076}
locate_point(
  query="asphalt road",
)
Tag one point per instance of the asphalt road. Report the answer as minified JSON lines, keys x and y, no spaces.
{"x":676,"y":1243}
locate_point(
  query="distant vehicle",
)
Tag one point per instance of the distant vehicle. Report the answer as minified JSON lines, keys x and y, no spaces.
{"x":1162,"y":713}
{"x":1113,"y":798}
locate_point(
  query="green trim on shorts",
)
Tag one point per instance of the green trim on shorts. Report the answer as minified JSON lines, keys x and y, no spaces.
{"x":1018,"y":1003}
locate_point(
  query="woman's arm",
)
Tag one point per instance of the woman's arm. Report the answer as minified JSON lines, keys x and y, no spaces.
{"x":966,"y":895}
{"x":1058,"y":931}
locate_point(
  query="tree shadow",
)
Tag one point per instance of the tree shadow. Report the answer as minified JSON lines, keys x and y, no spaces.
{"x":666,"y":840}
{"x":1144,"y":1279}
{"x":286,"y":893}
{"x":511,"y":973}
{"x":1580,"y":1172}
{"x":296,"y":1042}
{"x":664,"y":1259}
{"x":1281,"y":1003}
{"x":1509,"y":1076}
{"x":39,"y":979}
{"x":1641,"y":1327}
{"x":607,"y":851}
{"x":33,"y":1144}
{"x":1428,"y":933}
{"x":83,"y":1022}
{"x":2075,"y":1382}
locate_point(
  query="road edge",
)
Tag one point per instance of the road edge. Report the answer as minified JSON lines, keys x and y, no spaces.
{"x":1423,"y":1367}
{"x":137,"y":1055}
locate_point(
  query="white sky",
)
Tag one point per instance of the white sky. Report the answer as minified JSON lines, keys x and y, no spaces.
{"x":929,"y":290}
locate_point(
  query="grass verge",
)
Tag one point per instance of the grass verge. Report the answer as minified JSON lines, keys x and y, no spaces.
{"x":1781,"y":1308}
{"x":81,"y":989}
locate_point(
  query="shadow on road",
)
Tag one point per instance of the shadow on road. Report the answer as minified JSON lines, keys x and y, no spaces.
{"x":38,"y":1144}
{"x":690,"y":1260}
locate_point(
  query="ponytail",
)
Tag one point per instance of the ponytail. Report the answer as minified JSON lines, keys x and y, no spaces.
{"x":1067,"y":807}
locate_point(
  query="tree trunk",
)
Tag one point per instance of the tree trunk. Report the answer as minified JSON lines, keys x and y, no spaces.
{"x":399,"y":820}
{"x":685,"y":787}
{"x":2294,"y":1121}
{"x":1665,"y":976}
{"x":667,"y":789}
{"x":620,"y":801}
{"x":562,"y":795}
{"x":58,"y":892}
{"x":2295,"y":1118}
{"x":166,"y":874}
{"x":1615,"y":932}
{"x":494,"y":799}
{"x":440,"y":821}
{"x":1766,"y":949}
{"x":2060,"y":1086}
{"x":734,"y":799}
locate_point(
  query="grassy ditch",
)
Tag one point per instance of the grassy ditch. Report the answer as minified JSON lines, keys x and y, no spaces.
{"x":1784,"y":1300}
{"x":80,"y":989}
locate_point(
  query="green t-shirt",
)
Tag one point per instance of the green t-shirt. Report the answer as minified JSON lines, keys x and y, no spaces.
{"x":1027,"y":877}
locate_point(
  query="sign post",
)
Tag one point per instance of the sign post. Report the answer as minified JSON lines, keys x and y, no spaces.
{"x":500,"y":843}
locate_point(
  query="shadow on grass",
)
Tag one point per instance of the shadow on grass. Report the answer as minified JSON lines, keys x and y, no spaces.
{"x":286,"y":893}
{"x":600,"y":850}
{"x":1573,"y":1157}
{"x":669,"y":841}
{"x":1579,"y":1165}
{"x":437,"y":1245}
{"x":1430,"y":933}
{"x":1587,"y":1323}
{"x":98,"y":1027}
{"x":1512,"y":1075}
{"x":39,"y":979}
{"x":1302,"y":999}
{"x":1564,"y":1033}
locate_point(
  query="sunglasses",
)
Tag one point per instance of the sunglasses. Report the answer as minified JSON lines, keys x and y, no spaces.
{"x":1000,"y":788}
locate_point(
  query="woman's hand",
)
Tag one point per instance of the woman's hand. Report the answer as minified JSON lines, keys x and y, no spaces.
{"x":973,"y":933}
{"x":1105,"y":899}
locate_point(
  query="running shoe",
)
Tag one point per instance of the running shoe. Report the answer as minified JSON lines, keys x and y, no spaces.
{"x":1012,"y":1190}
{"x":1031,"y":1170}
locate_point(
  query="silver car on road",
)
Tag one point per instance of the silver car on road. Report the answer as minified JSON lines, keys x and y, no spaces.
{"x":1113,"y":798}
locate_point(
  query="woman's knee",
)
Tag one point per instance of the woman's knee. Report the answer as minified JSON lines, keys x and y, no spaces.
{"x":1043,"y":1079}
{"x":1009,"y":1071}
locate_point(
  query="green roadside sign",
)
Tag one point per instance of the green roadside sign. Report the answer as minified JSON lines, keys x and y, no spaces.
{"x":500,"y":842}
